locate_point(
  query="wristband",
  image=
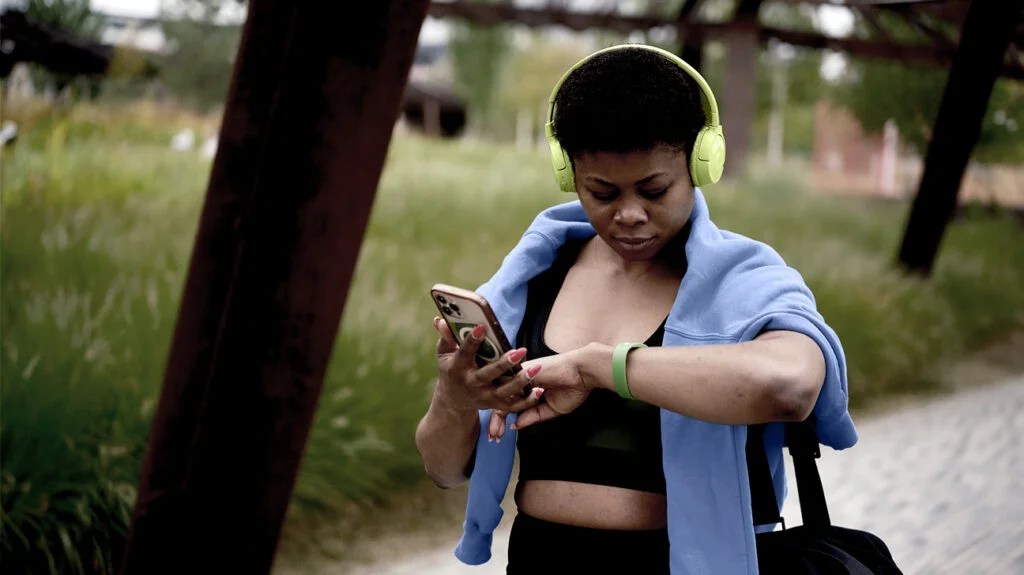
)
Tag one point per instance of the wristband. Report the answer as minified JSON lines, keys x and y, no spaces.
{"x":619,"y":367}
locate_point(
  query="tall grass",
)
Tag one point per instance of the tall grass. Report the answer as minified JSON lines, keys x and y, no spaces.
{"x":96,"y":232}
{"x":97,"y":227}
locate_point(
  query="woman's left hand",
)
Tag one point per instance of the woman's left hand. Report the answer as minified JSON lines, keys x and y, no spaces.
{"x":563,"y":384}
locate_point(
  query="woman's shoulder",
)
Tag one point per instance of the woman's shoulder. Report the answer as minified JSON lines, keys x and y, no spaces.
{"x":729,"y":262}
{"x":745,"y":274}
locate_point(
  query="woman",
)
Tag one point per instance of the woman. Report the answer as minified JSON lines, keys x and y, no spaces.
{"x":638,"y":464}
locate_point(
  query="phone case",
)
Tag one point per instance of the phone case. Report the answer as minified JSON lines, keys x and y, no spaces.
{"x":463,"y":310}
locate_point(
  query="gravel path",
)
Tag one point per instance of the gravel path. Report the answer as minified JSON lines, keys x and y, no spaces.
{"x":940,"y":481}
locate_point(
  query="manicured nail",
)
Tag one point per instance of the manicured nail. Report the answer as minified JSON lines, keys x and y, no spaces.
{"x":537,"y":392}
{"x":478,"y":331}
{"x":533,"y":371}
{"x":517,"y":355}
{"x":514,"y":427}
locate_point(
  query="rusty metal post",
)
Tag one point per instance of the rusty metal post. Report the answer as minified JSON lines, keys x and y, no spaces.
{"x":987,"y":30}
{"x":737,"y":97}
{"x":314,"y":98}
{"x":692,"y":51}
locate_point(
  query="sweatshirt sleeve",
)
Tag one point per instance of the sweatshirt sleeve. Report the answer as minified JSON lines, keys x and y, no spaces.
{"x":784,"y":302}
{"x":487,"y":485}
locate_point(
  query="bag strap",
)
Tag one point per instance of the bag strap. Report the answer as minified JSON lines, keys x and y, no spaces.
{"x":762,"y":491}
{"x":804,"y":449}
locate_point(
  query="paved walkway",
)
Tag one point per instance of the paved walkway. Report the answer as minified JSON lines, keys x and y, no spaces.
{"x":941,"y":482}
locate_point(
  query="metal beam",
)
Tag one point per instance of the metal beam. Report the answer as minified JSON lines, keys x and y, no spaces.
{"x":487,"y":14}
{"x":910,"y":53}
{"x":692,"y":48}
{"x":870,"y":15}
{"x":491,"y":14}
{"x":988,"y":27}
{"x":689,"y":10}
{"x":736,"y":99}
{"x":921,"y":24}
{"x":314,"y":98}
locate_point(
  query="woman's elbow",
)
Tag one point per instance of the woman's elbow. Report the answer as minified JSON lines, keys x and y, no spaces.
{"x":441,"y":472}
{"x":793,"y":372}
{"x":794,"y":403}
{"x":445,"y":481}
{"x":795,"y":391}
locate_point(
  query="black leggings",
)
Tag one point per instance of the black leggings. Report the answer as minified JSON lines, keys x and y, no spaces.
{"x":537,"y":547}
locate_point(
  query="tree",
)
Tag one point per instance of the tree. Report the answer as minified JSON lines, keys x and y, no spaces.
{"x":877,"y":91}
{"x":74,"y":18}
{"x":528,"y":78}
{"x":910,"y":95}
{"x":203,"y":40}
{"x":1003,"y":127}
{"x":478,"y":54}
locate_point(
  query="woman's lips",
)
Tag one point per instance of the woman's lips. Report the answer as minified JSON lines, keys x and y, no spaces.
{"x":634,"y":244}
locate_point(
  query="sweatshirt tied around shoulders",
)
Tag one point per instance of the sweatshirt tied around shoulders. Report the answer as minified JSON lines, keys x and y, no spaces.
{"x":734,"y":289}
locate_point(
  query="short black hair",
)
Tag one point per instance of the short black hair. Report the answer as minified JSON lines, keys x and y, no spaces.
{"x":627,"y":100}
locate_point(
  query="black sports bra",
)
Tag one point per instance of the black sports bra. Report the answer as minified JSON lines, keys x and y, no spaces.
{"x":607,"y":440}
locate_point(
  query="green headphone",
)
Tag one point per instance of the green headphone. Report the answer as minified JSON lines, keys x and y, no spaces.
{"x":707,"y":158}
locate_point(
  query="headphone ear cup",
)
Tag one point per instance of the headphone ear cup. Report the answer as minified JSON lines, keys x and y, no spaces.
{"x":707,"y":159}
{"x":560,"y":162}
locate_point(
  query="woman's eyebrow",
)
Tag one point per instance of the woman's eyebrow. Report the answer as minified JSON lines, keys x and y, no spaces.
{"x":602,"y":181}
{"x":650,"y":177}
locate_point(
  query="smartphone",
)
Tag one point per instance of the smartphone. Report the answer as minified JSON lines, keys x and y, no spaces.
{"x":463,"y":310}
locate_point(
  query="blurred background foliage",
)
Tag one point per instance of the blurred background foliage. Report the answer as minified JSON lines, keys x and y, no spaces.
{"x":877,"y":91}
{"x":76,"y":18}
{"x":99,"y":215}
{"x":197,"y":69}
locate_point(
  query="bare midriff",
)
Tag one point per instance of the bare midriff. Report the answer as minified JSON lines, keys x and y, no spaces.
{"x":593,"y":506}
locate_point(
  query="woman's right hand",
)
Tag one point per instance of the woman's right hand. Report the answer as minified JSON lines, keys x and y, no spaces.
{"x":463,"y":386}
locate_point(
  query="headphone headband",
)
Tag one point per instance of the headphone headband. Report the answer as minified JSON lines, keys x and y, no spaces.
{"x":709,"y":103}
{"x":707,"y":156}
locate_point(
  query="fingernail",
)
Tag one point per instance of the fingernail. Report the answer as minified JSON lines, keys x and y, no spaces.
{"x":514,"y":427}
{"x":533,"y":371}
{"x":478,"y":331}
{"x":497,"y":440}
{"x":537,"y":392}
{"x":490,"y":439}
{"x":517,"y":355}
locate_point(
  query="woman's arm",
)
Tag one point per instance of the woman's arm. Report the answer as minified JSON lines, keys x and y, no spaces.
{"x":447,"y":433}
{"x":775,"y":377}
{"x":445,"y":437}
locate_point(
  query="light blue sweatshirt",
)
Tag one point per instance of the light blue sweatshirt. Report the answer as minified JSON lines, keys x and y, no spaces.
{"x":734,"y":289}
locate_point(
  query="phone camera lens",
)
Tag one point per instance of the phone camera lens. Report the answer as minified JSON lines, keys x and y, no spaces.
{"x":456,"y":309}
{"x":447,"y":310}
{"x":442,"y":299}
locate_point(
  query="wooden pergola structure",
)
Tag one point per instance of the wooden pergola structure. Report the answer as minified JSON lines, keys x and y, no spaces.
{"x":316,"y":90}
{"x":978,"y":41}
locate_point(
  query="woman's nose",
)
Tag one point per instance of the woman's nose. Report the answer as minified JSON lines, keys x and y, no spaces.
{"x":630,"y":213}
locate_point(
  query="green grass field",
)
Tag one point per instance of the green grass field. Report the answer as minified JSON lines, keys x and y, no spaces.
{"x":99,"y":216}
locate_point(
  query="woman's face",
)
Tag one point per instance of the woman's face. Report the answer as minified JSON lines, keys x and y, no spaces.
{"x":637,"y":201}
